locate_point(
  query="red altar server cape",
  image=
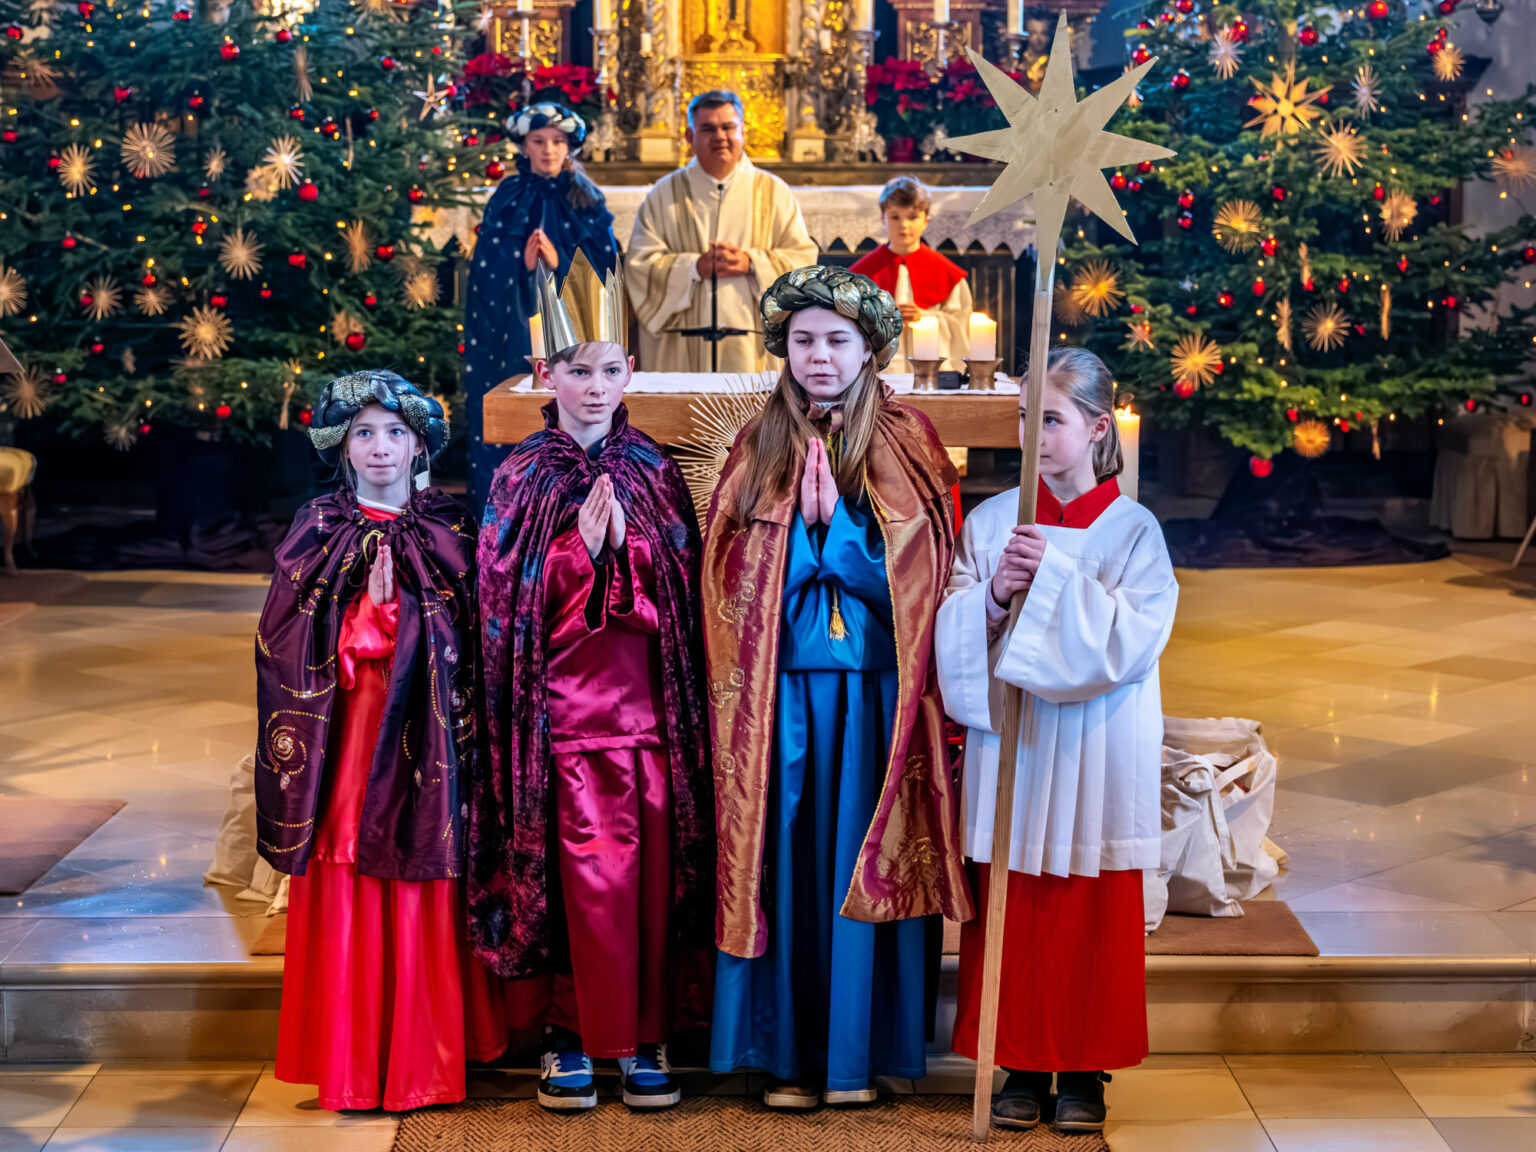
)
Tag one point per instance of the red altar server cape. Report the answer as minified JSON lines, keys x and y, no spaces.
{"x":412,"y":822}
{"x":534,"y":499}
{"x":933,"y":276}
{"x":910,"y":863}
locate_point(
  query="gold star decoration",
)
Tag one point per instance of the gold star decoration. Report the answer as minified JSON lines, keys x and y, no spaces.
{"x":421,"y":290}
{"x":359,"y":247}
{"x":1283,"y":323}
{"x":1366,"y":87}
{"x":484,"y":17}
{"x":1310,"y":438}
{"x":303,"y":90}
{"x":1447,"y":63}
{"x":1139,"y":335}
{"x":284,"y":162}
{"x":1237,"y":225}
{"x":152,"y":300}
{"x":1325,"y":326}
{"x":1226,"y":56}
{"x":1386,"y":312}
{"x":43,"y":11}
{"x":1066,"y":308}
{"x":343,"y":324}
{"x":1515,"y":167}
{"x":1284,"y":106}
{"x":205,"y":334}
{"x":1339,"y":150}
{"x":432,"y":97}
{"x":215,"y":161}
{"x":1055,"y":147}
{"x":149,"y":150}
{"x":1096,"y":288}
{"x":1195,"y":359}
{"x":120,"y":434}
{"x":380,"y":9}
{"x":36,"y":74}
{"x":1305,"y":256}
{"x":106,"y":298}
{"x":26,"y":393}
{"x":76,"y":166}
{"x":13,"y":291}
{"x":261,"y":184}
{"x":1397,"y":212}
{"x":240,"y":253}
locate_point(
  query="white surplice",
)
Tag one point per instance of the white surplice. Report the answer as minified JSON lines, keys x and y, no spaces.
{"x":678,"y":218}
{"x":1086,"y":647}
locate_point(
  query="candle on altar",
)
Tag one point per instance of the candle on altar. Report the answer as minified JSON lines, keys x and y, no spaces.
{"x":645,"y":43}
{"x":983,"y":344}
{"x":602,"y":16}
{"x":824,"y":38}
{"x":925,"y":338}
{"x":863,"y":15}
{"x":903,"y":284}
{"x":1015,"y":16}
{"x":536,"y":335}
{"x":941,"y":11}
{"x":1129,"y":424}
{"x":524,"y":6}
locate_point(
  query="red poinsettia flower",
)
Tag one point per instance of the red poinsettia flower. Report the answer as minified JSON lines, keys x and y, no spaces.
{"x":488,"y":64}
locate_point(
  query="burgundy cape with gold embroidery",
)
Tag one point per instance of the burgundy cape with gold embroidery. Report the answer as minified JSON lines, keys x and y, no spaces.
{"x":911,"y":862}
{"x":414,"y":806}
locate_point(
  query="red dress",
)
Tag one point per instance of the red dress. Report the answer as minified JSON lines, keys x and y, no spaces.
{"x":382,"y":1002}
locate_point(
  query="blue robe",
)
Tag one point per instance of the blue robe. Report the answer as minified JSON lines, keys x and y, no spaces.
{"x":502,"y":295}
{"x":829,"y":994}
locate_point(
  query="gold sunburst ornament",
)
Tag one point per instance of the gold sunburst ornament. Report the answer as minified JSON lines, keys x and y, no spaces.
{"x":36,"y":74}
{"x":120,"y":434}
{"x":421,"y":290}
{"x":1065,"y":307}
{"x":1515,"y":167}
{"x":1139,"y":336}
{"x":1283,"y":324}
{"x":1339,"y":150}
{"x":105,"y":298}
{"x":284,"y":162}
{"x":343,"y":324}
{"x":1447,"y":63}
{"x":1226,"y":56}
{"x":1195,"y":359}
{"x":359,"y":247}
{"x":13,"y":291}
{"x":1285,"y":107}
{"x":1311,"y":438}
{"x":205,"y":334}
{"x":76,"y":167}
{"x":26,"y":393}
{"x":1096,"y":288}
{"x":152,"y":300}
{"x":215,"y":163}
{"x":149,"y":150}
{"x":1325,"y":326}
{"x":240,"y":253}
{"x":303,"y":89}
{"x":1367,"y":88}
{"x":715,"y":420}
{"x":1237,"y":225}
{"x":1397,"y":213}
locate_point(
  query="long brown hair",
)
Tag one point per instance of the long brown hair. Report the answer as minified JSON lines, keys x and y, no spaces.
{"x":774,"y":454}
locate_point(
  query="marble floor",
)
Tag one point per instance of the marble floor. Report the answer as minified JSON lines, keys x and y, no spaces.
{"x":1354,"y":1103}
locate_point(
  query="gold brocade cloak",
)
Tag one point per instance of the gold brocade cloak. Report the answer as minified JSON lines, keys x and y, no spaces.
{"x":911,"y":860}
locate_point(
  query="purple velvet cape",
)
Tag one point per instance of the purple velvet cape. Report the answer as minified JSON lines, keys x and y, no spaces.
{"x":534,"y":498}
{"x":415,"y":805}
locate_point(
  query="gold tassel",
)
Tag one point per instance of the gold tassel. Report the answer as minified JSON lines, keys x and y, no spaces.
{"x":836,"y":629}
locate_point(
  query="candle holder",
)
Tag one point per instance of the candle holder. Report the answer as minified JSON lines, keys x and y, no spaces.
{"x":925,"y":375}
{"x":982,"y":374}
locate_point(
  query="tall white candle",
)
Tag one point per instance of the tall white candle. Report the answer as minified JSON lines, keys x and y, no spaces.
{"x":863,"y":15}
{"x":645,"y":43}
{"x":824,"y":38}
{"x":941,"y":11}
{"x":983,"y":344}
{"x":1129,"y":424}
{"x":536,"y":335}
{"x":1015,"y":16}
{"x":903,"y":284}
{"x":925,"y":338}
{"x":602,"y":15}
{"x":525,"y":6}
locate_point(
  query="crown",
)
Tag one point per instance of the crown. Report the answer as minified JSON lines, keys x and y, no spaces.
{"x":586,"y":308}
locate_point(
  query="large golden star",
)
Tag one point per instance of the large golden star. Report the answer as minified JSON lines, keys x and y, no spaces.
{"x":1055,"y":147}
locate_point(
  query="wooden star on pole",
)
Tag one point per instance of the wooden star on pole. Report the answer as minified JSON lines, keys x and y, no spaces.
{"x":1055,"y":146}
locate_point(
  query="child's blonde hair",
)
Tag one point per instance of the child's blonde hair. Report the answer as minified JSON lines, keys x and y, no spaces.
{"x":1086,"y":379}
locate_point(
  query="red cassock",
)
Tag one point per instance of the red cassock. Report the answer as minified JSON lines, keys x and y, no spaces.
{"x":612,"y":809}
{"x":382,"y":1002}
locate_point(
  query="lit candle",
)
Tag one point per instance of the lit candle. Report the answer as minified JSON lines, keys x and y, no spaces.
{"x":1015,"y":16}
{"x":941,"y":11}
{"x":825,"y":40}
{"x":525,"y":6}
{"x":1129,"y":424}
{"x":925,"y":338}
{"x":983,"y":337}
{"x":602,"y":16}
{"x":536,"y":335}
{"x":645,"y":43}
{"x":863,"y":15}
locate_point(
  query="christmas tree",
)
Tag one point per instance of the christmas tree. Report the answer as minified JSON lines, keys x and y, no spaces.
{"x":204,"y":215}
{"x":1299,"y":274}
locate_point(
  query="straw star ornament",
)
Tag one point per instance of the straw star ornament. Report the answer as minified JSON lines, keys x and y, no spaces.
{"x":1055,"y":147}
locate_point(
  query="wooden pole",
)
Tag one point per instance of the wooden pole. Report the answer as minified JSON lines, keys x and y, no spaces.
{"x":1017,"y":712}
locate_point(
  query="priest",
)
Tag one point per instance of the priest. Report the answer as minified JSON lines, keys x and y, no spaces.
{"x":719,"y":216}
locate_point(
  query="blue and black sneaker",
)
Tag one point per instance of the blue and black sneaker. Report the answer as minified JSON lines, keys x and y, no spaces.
{"x":648,"y":1081}
{"x":566,"y":1083}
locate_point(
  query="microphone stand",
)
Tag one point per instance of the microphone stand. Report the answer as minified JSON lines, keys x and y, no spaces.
{"x":714,"y":280}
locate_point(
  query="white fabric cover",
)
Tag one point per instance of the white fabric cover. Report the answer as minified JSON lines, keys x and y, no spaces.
{"x":235,"y":860}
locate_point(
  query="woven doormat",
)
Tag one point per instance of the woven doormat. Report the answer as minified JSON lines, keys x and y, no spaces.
{"x":718,"y":1124}
{"x":1266,"y":928}
{"x":36,"y":832}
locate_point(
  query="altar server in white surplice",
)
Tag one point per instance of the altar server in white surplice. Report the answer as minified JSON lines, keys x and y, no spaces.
{"x":721,"y":213}
{"x":1099,"y":599}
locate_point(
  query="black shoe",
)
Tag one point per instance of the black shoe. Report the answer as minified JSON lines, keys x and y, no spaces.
{"x":1020,"y":1102}
{"x":1080,"y":1101}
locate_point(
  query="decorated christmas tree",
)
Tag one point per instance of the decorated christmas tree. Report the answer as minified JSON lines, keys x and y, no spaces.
{"x":1299,"y":272}
{"x":205,"y":214}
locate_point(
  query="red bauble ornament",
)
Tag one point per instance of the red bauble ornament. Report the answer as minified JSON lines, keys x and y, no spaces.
{"x":1308,"y":36}
{"x":306,"y":417}
{"x":182,"y":14}
{"x":1185,"y":7}
{"x":330,"y":128}
{"x":9,"y":135}
{"x":1450,"y":302}
{"x":1270,"y":246}
{"x":1278,"y":192}
{"x":1525,"y":399}
{"x":53,"y":163}
{"x":373,"y":113}
{"x":1141,"y":55}
{"x":194,"y":102}
{"x":1470,"y":404}
{"x":14,"y":31}
{"x":60,"y":378}
{"x":85,"y":8}
{"x":1378,"y":9}
{"x":1441,"y":34}
{"x":416,"y":195}
{"x":143,"y":429}
{"x":1378,"y":193}
{"x":69,"y":242}
{"x":1240,"y":31}
{"x":1144,"y":26}
{"x":204,"y":193}
{"x":1184,"y":388}
{"x":223,"y":411}
{"x":1165,"y":17}
{"x":1529,"y":255}
{"x":1225,"y":299}
{"x":470,"y":141}
{"x":1179,"y":80}
{"x":121,"y":94}
{"x":1260,"y":467}
{"x":309,"y":192}
{"x":1186,"y":221}
{"x":385,"y":252}
{"x":229,"y":50}
{"x":295,"y":113}
{"x":1292,"y":415}
{"x":1445,"y":7}
{"x":1118,"y":182}
{"x":1433,"y":47}
{"x":199,"y":227}
{"x":86,"y":299}
{"x":387,"y":63}
{"x":1402,"y":261}
{"x":1219,"y":367}
{"x":495,"y":170}
{"x":266,"y":293}
{"x":219,"y":300}
{"x":355,"y":341}
{"x":1344,"y":284}
{"x":1309,"y":284}
{"x":149,"y":280}
{"x":1186,"y":199}
{"x":1258,"y":286}
{"x":461,"y":349}
{"x":1137,"y":309}
{"x":1144,"y":167}
{"x":282,"y":36}
{"x":1134,"y":185}
{"x":370,"y":300}
{"x":1191,"y":310}
{"x":298,"y":260}
{"x":98,"y":349}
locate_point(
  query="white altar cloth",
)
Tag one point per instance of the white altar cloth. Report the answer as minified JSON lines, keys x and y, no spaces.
{"x":684,"y":382}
